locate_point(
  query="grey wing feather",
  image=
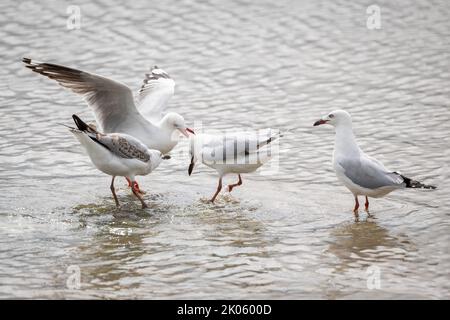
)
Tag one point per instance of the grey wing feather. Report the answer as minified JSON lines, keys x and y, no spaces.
{"x":369,"y":174}
{"x":125,"y":146}
{"x":155,"y":93}
{"x":230,"y":147}
{"x":111,"y":101}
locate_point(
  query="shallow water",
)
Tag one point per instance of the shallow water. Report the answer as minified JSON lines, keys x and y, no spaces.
{"x":288,"y":232}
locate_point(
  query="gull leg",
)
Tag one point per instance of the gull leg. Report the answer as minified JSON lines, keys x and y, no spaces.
{"x":139,"y":189}
{"x":130,"y":184}
{"x":219,"y":187}
{"x":366,"y":205}
{"x":114,"y":192}
{"x":355,"y":210}
{"x":231,"y":186}
{"x":135,"y":189}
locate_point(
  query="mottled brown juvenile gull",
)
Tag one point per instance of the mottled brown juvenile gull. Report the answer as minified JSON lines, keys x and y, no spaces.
{"x":117,"y":154}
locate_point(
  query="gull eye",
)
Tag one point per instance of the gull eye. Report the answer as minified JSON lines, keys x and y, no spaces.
{"x":331,"y":116}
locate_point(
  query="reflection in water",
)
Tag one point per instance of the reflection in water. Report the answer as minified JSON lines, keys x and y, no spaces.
{"x":107,"y":259}
{"x":361,"y":248}
{"x":231,"y":221}
{"x":136,"y":248}
{"x":110,"y":260}
{"x":363,"y":243}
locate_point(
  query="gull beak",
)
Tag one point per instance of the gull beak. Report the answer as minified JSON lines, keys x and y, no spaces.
{"x":319,"y":122}
{"x":185,"y":131}
{"x":191,"y":166}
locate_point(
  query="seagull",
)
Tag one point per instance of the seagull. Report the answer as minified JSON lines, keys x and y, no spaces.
{"x":235,"y":153}
{"x":360,"y":173}
{"x":114,"y":108}
{"x":117,"y":154}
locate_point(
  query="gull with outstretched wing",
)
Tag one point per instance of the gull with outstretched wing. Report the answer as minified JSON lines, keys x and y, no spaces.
{"x":114,"y":107}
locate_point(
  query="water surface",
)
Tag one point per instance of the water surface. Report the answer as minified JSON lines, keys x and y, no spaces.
{"x":288,"y":233}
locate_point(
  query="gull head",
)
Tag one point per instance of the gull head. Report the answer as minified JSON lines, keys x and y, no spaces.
{"x":156,"y":157}
{"x":335,"y":118}
{"x":176,"y":122}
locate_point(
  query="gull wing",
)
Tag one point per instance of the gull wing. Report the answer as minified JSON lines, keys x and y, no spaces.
{"x":370,"y":174}
{"x":155,"y":93}
{"x":111,"y":101}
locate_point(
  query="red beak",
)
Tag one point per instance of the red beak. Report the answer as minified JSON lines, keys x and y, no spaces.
{"x":190,"y":131}
{"x":319,"y":122}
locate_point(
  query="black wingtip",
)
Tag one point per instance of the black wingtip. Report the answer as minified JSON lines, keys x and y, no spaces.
{"x":81,"y":125}
{"x":26,"y":60}
{"x":410,"y":183}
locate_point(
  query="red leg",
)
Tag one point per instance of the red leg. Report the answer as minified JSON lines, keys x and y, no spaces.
{"x":231,"y":186}
{"x":136,"y":192}
{"x":138,"y":189}
{"x":136,"y":185}
{"x":355,"y":210}
{"x":219,"y":187}
{"x":366,"y":205}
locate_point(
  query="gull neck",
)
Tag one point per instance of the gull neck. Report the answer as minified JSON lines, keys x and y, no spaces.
{"x":345,"y":141}
{"x":164,"y":125}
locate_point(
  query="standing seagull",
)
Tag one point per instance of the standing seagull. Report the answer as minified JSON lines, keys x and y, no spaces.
{"x":234,"y":153}
{"x":117,"y":154}
{"x":361,"y":174}
{"x":114,"y":107}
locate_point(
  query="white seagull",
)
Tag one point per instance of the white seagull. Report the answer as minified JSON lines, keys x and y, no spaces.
{"x":117,"y":154}
{"x":360,"y":173}
{"x":232,"y":153}
{"x":114,"y":108}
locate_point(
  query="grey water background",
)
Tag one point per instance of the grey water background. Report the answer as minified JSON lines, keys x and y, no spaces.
{"x":287,"y":232}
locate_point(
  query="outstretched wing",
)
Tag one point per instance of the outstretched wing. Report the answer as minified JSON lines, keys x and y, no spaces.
{"x":155,"y":94}
{"x":111,"y":101}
